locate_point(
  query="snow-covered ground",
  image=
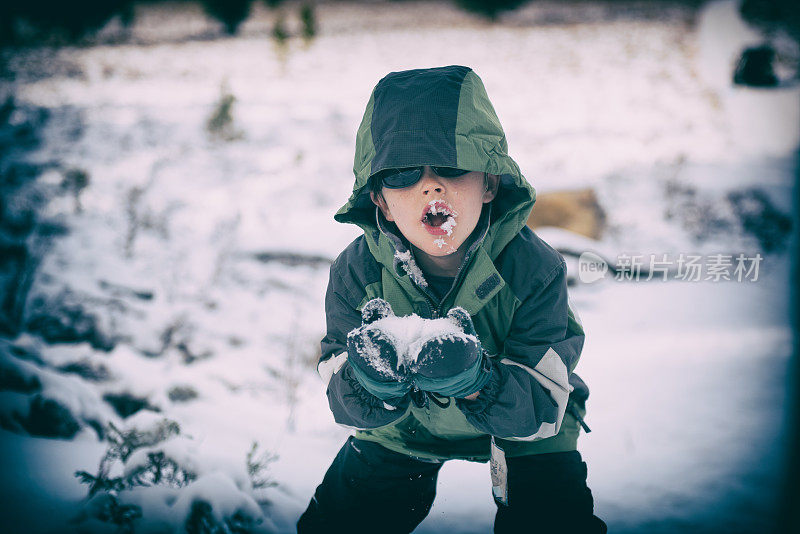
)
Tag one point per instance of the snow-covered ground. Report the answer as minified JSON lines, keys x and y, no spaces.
{"x":204,"y":259}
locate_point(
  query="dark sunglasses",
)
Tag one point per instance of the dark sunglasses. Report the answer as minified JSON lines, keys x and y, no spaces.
{"x":408,"y":176}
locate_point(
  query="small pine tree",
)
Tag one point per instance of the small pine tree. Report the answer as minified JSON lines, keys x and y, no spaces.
{"x":309,"y":21}
{"x":279,"y":31}
{"x":257,"y":464}
{"x":220,"y":123}
{"x":103,"y":498}
{"x":105,"y":501}
{"x":74,"y":182}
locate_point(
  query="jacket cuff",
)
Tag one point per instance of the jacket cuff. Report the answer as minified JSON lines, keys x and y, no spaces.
{"x":354,"y":407}
{"x":488,"y":394}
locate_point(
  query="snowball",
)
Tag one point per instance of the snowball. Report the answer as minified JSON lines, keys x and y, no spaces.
{"x":411,"y":332}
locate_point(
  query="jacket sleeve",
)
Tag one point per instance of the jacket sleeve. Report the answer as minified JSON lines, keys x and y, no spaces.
{"x":527,"y":393}
{"x":351,"y":404}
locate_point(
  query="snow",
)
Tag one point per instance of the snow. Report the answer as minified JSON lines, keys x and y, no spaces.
{"x":448,"y":225}
{"x":375,"y":357}
{"x":411,"y":268}
{"x":225,"y":499}
{"x":438,"y":206}
{"x":688,"y":380}
{"x":411,"y":332}
{"x":74,"y":394}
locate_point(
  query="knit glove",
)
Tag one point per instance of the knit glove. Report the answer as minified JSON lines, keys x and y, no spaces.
{"x":453,"y":365}
{"x":373,"y":354}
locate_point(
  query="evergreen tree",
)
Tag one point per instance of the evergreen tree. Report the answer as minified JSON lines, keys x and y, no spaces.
{"x":231,"y":13}
{"x":489,"y":8}
{"x":309,"y":20}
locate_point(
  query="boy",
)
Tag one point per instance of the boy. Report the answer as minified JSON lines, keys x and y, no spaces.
{"x":443,"y":208}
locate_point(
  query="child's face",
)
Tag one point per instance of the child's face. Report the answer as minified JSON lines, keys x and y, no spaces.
{"x":437,"y":214}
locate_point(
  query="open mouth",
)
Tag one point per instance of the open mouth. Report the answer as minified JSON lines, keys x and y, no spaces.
{"x":439,"y":218}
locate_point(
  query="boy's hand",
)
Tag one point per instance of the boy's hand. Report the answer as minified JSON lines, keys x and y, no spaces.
{"x":453,"y":365}
{"x":373,"y":355}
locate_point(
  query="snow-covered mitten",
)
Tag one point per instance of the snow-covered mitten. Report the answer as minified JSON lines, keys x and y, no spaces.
{"x":453,"y":364}
{"x":372,"y":354}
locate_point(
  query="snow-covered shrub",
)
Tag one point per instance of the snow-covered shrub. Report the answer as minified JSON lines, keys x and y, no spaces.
{"x":39,"y":401}
{"x":231,"y":13}
{"x":49,"y":418}
{"x":746,"y":213}
{"x":182,"y":393}
{"x":309,"y":20}
{"x":12,"y":378}
{"x":257,"y":463}
{"x":760,"y":218}
{"x":123,"y":443}
{"x":231,"y":512}
{"x":153,"y":478}
{"x":489,"y":8}
{"x":127,"y":404}
{"x":74,"y":182}
{"x":279,"y":31}
{"x":86,"y":369}
{"x":220,"y":124}
{"x":65,"y":317}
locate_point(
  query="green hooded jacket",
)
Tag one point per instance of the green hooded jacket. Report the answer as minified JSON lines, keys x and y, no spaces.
{"x":512,"y":283}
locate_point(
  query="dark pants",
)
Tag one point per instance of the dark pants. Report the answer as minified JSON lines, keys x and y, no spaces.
{"x":369,"y":488}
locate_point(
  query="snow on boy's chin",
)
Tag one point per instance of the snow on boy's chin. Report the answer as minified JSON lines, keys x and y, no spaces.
{"x":443,"y":248}
{"x":439,"y":246}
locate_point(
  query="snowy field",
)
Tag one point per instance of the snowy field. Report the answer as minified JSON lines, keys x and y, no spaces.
{"x":200,"y":260}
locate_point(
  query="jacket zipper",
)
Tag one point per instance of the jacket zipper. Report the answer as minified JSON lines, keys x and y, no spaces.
{"x":461,"y":270}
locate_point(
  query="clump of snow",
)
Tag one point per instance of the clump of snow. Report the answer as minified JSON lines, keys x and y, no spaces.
{"x":411,"y":268}
{"x":373,"y":354}
{"x":448,"y":225}
{"x":376,"y":309}
{"x":410,"y":333}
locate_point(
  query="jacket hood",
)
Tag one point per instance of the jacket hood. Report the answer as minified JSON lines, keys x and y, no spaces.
{"x":439,"y":116}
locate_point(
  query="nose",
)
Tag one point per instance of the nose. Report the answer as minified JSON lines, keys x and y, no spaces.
{"x":431,"y":182}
